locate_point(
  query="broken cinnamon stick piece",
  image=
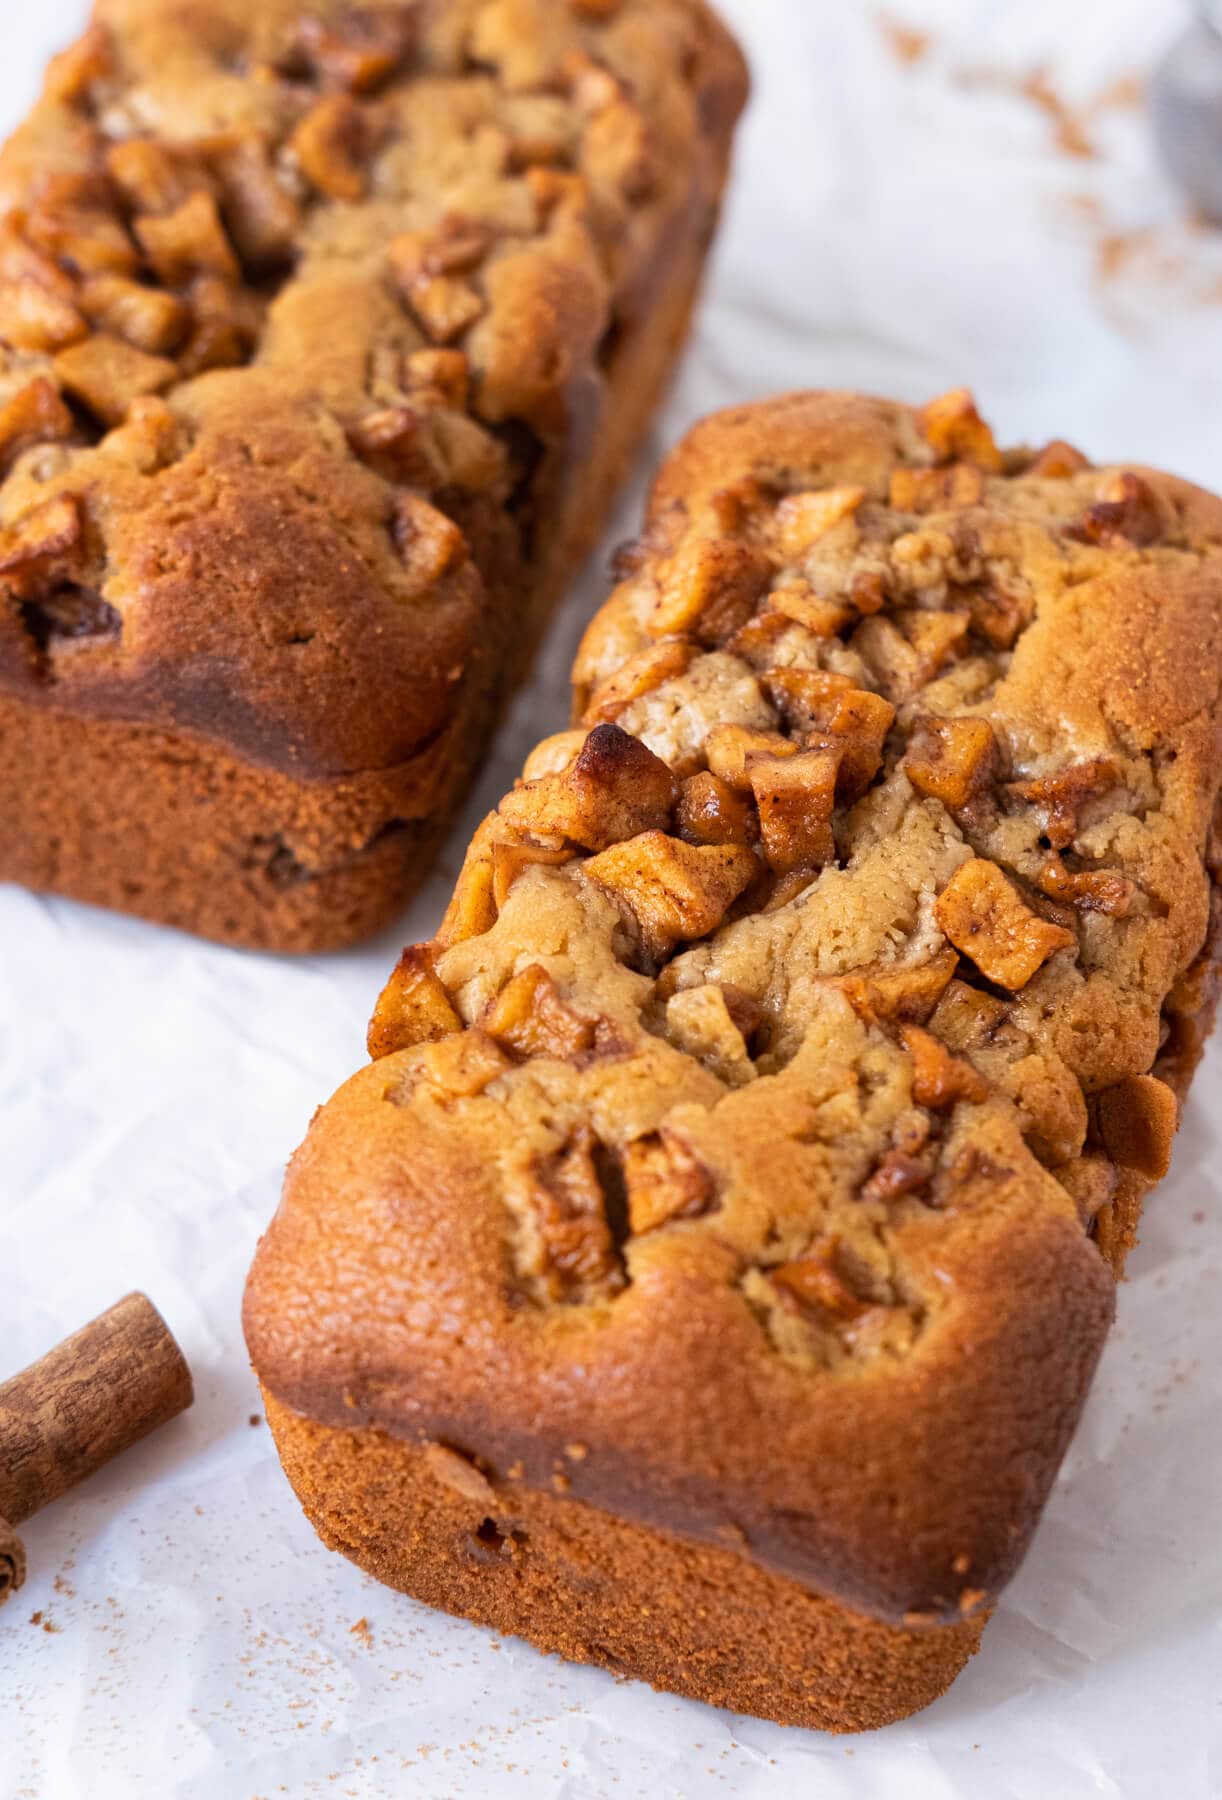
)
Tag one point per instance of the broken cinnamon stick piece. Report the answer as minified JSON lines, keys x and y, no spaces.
{"x":12,"y":1561}
{"x":100,"y":1391}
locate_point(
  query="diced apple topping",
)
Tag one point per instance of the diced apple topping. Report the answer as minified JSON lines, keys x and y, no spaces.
{"x":1057,"y":461}
{"x":509,"y":860}
{"x":38,"y":540}
{"x":672,"y":891}
{"x":703,"y":1022}
{"x":936,"y":490}
{"x":896,"y":1174}
{"x":951,"y":760}
{"x":956,"y":431}
{"x":529,"y":1018}
{"x":147,"y":317}
{"x":472,"y":910}
{"x":907,"y":649}
{"x":463,"y":1065}
{"x":729,"y":748}
{"x":361,"y":47}
{"x":1091,"y":890}
{"x":107,"y":374}
{"x":74,"y":222}
{"x":578,"y":1258}
{"x":263,"y":218}
{"x":1137,"y":1120}
{"x":430,"y":544}
{"x":802,"y":519}
{"x":332,"y":145}
{"x":795,"y":796}
{"x":189,"y":241}
{"x":907,"y":991}
{"x":445,"y":373}
{"x":708,"y":590}
{"x":1127,"y":512}
{"x":711,"y":812}
{"x":798,"y":602}
{"x":1058,"y":798}
{"x":818,"y":1284}
{"x":986,"y":919}
{"x":641,"y":674}
{"x":665,"y":1181}
{"x":938,"y":1078}
{"x":413,"y":1008}
{"x":615,"y":789}
{"x":34,"y":317}
{"x":34,"y":415}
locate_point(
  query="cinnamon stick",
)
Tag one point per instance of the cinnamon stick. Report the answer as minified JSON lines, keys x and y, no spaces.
{"x":101,"y":1390}
{"x":12,"y":1561}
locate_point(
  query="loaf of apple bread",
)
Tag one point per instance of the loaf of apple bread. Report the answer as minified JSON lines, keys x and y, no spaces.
{"x":325,"y":332}
{"x":705,"y":1277}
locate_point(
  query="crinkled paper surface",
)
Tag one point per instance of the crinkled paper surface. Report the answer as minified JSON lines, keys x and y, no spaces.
{"x":896,"y":225}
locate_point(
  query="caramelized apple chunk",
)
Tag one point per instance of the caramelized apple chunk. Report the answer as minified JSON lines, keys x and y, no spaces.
{"x":615,"y":789}
{"x":1060,"y":797}
{"x":907,"y":991}
{"x":430,"y":544}
{"x":802,"y":519}
{"x":529,"y":1018}
{"x":795,"y":796}
{"x":641,"y":674}
{"x":361,"y":47}
{"x":665,"y":1181}
{"x":1128,"y":512}
{"x":711,"y":812}
{"x":938,"y":1078}
{"x":956,"y":432}
{"x":34,"y":415}
{"x":1057,"y":461}
{"x":985,"y":918}
{"x":951,"y":760}
{"x":509,"y":860}
{"x":576,"y":1259}
{"x":708,"y":590}
{"x":1091,"y":890}
{"x":672,"y":891}
{"x":729,"y":750}
{"x":817,"y":1283}
{"x":1136,"y":1119}
{"x":936,"y":490}
{"x":107,"y":374}
{"x":332,"y":146}
{"x":413,"y":1007}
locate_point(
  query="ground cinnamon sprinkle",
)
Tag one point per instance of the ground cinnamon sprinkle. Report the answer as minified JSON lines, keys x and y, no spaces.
{"x":1069,"y":123}
{"x":906,"y":43}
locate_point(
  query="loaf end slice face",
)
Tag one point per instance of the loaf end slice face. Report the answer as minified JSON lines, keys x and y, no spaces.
{"x":325,"y":335}
{"x":741,"y":1176}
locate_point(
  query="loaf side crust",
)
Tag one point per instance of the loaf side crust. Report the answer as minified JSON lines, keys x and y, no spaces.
{"x":752,"y":1163}
{"x":595,"y":1588}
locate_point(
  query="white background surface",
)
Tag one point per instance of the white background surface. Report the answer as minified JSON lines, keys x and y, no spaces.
{"x":894,"y":229}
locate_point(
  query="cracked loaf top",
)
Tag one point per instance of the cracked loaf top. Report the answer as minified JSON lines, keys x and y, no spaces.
{"x":306,"y":308}
{"x":744,"y":1154}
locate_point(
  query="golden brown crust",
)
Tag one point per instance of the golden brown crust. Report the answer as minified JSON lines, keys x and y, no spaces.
{"x":784,"y":1168}
{"x":596,"y":1588}
{"x":268,"y":281}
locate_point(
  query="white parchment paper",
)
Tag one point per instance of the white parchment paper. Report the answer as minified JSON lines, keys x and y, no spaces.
{"x":898,"y":225}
